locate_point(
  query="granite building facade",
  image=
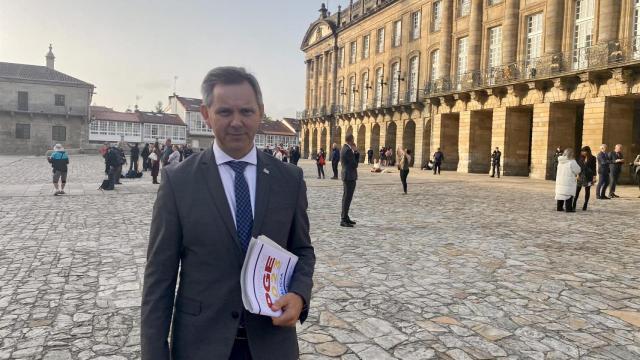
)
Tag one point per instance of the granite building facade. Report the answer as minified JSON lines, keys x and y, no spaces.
{"x":467,"y":76}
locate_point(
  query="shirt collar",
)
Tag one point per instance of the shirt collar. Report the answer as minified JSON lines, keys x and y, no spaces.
{"x":222,"y":157}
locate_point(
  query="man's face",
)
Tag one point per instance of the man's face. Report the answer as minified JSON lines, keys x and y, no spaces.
{"x":618,"y":148}
{"x":234,"y":116}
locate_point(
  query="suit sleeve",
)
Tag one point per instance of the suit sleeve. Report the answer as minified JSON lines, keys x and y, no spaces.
{"x":300,"y":244}
{"x":163,"y":259}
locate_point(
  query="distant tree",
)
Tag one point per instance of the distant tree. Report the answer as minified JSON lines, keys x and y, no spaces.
{"x":267,"y":118}
{"x":159,"y":107}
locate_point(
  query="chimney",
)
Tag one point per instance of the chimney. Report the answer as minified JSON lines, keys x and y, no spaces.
{"x":50,"y":58}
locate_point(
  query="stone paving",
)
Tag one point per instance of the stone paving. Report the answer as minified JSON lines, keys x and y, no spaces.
{"x":464,"y":267}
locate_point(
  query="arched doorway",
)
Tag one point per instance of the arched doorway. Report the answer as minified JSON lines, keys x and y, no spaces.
{"x":375,"y":141}
{"x":390,"y":141}
{"x":305,"y":145}
{"x":314,"y":143}
{"x":409,"y":137}
{"x":323,"y":139}
{"x":349,"y":130}
{"x":360,"y":142}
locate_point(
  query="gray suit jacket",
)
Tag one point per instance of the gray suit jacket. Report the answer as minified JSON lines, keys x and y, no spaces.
{"x":349,"y":161}
{"x":193,"y":237}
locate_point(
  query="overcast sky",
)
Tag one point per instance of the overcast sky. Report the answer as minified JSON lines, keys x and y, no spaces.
{"x":130,"y":48}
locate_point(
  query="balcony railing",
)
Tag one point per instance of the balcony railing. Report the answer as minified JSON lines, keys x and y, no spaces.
{"x":599,"y":56}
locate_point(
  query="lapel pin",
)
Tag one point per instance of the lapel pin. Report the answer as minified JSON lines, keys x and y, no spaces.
{"x":265,"y":171}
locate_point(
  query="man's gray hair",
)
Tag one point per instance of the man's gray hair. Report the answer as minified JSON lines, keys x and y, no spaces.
{"x":569,"y":153}
{"x":228,"y":75}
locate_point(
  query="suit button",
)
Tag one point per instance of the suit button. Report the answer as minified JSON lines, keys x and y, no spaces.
{"x":235,"y":314}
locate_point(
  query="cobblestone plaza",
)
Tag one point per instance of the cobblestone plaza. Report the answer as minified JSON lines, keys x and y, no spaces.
{"x":464,"y":267}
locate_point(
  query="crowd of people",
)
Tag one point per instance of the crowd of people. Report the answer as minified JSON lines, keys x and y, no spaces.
{"x":284,"y":154}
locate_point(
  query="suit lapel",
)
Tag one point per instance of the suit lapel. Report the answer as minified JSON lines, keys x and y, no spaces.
{"x":209,"y":168}
{"x":263,"y":182}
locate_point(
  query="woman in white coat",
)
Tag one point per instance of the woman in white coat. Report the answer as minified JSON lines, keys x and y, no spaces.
{"x":568,"y":170}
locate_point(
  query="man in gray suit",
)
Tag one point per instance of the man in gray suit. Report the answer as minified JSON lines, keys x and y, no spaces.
{"x":207,"y":209}
{"x":349,"y":158}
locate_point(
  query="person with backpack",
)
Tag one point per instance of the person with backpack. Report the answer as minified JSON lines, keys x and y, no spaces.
{"x":404,"y":166}
{"x":59,"y":161}
{"x":320,"y":161}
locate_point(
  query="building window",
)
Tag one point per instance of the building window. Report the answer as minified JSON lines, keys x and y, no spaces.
{"x":435,"y":65}
{"x":464,"y":7}
{"x":23,"y":101}
{"x":59,"y":133}
{"x":59,"y":100}
{"x":461,"y":66}
{"x":495,"y":47}
{"x":340,"y":92}
{"x":397,"y":33}
{"x":583,"y":33}
{"x":416,"y":19}
{"x":395,"y":83}
{"x":379,"y":84}
{"x":352,"y":94}
{"x":636,"y":29}
{"x":196,"y":124}
{"x":353,"y":52}
{"x":364,"y":91}
{"x":380,"y":41}
{"x":341,"y":57}
{"x":414,"y":66}
{"x":534,"y":43}
{"x":23,"y":131}
{"x":436,"y":15}
{"x":365,"y":46}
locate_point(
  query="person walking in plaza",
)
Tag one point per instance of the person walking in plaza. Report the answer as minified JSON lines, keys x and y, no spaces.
{"x":320,"y":161}
{"x":154,"y":158}
{"x":556,"y":156}
{"x":104,"y":149}
{"x":145,"y":157}
{"x":391,"y":161}
{"x":168,"y":149}
{"x":205,"y":214}
{"x":383,"y":156}
{"x":349,"y":157}
{"x":587,"y":176}
{"x":59,"y":161}
{"x":616,"y":160}
{"x":496,"y":156}
{"x":568,"y":169}
{"x":174,"y":157}
{"x":295,"y":155}
{"x":603,"y":173}
{"x":370,"y":156}
{"x":335,"y":159}
{"x":113,"y":161}
{"x":404,"y":165}
{"x":438,"y":158}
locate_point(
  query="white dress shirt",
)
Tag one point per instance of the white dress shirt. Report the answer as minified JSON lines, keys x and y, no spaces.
{"x":227,"y":175}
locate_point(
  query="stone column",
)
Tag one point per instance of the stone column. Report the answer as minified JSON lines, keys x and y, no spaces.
{"x":308,"y":86}
{"x":509,"y":28}
{"x":609,"y":20}
{"x":554,"y":20}
{"x":418,"y":153}
{"x":475,"y":36}
{"x":446,"y":28}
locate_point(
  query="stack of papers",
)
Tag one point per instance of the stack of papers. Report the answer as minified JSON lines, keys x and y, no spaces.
{"x":266,"y":275}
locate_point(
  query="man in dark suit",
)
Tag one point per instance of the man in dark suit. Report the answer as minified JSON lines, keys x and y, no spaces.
{"x":495,"y":162}
{"x":349,"y":158}
{"x":335,"y":160}
{"x":207,"y":209}
{"x":616,"y":160}
{"x":603,"y":173}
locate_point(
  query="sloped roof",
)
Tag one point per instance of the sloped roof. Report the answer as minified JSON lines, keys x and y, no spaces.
{"x":294,"y":123}
{"x":190,"y":104}
{"x":11,"y":71}
{"x":108,"y":114}
{"x":271,"y":127}
{"x":159,"y":118}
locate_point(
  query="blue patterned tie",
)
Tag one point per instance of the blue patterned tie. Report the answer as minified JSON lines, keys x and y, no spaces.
{"x":244,"y":213}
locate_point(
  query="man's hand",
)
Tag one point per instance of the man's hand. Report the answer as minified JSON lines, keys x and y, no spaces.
{"x":291,"y":305}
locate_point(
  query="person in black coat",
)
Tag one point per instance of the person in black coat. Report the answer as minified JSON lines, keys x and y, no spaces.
{"x":349,"y":157}
{"x":370,"y":156}
{"x":495,"y":162}
{"x":438,"y":158}
{"x":113,"y":161}
{"x":335,"y":159}
{"x":603,"y":173}
{"x":135,"y":156}
{"x":145,"y":157}
{"x":587,"y":176}
{"x":616,"y":160}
